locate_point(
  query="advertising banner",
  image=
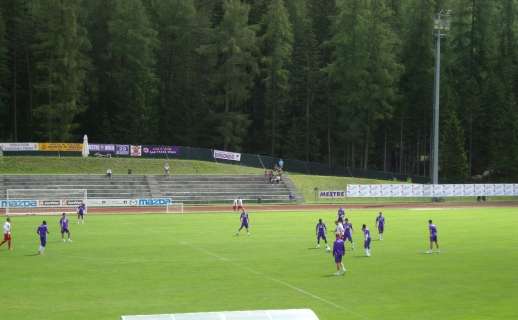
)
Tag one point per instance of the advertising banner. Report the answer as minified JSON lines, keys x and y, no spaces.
{"x":62,"y":147}
{"x":332,"y":194}
{"x":143,"y":202}
{"x":225,"y":155}
{"x":136,"y":151}
{"x":489,"y":190}
{"x":499,"y":190}
{"x":480,"y":190}
{"x":395,"y":190}
{"x":438,"y":190}
{"x":458,"y":190}
{"x":447,"y":190}
{"x":417,"y":190}
{"x":364,"y":190}
{"x":469,"y":190}
{"x":122,"y":149}
{"x":154,"y":150}
{"x":352,"y":190}
{"x":509,"y":189}
{"x":406,"y":190}
{"x":18,"y":203}
{"x":386,"y":190}
{"x":27,"y":146}
{"x":375,"y":190}
{"x":101,"y":148}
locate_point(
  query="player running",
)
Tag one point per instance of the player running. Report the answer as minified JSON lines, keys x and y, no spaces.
{"x":348,"y":232}
{"x":433,"y":236}
{"x":338,"y":253}
{"x":341,"y":214}
{"x":380,"y":223}
{"x":42,"y":231}
{"x":81,"y":210}
{"x":366,"y":240}
{"x":63,"y":223}
{"x":7,"y":233}
{"x":244,"y":222}
{"x":321,"y":230}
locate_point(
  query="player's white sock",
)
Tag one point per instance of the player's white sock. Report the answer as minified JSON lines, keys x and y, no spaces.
{"x":353,"y":245}
{"x":318,"y":246}
{"x":343,"y":268}
{"x":327,"y":247}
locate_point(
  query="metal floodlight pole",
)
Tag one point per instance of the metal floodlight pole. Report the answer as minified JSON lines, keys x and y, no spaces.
{"x":441,"y":25}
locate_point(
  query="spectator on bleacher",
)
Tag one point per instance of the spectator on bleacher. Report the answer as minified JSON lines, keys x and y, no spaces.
{"x":109,"y":173}
{"x":268,"y":176}
{"x":281,"y":164}
{"x":166,"y":169}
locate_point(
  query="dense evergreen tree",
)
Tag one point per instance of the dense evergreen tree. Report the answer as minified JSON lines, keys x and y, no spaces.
{"x":61,"y":65}
{"x":278,"y":41}
{"x":232,"y":55}
{"x":346,"y":82}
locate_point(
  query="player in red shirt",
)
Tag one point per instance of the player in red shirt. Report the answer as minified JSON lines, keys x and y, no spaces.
{"x":7,"y":233}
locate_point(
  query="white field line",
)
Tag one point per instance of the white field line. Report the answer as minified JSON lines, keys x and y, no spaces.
{"x":282,"y":282}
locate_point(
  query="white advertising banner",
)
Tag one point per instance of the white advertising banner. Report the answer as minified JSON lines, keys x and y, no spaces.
{"x":499,"y":190}
{"x":406,"y":190}
{"x":480,"y":190}
{"x":417,"y":190}
{"x":395,"y":190}
{"x":225,"y":155}
{"x":365,"y":190}
{"x":376,"y":190}
{"x":489,"y":190}
{"x":508,"y":189}
{"x":458,"y":190}
{"x":386,"y":190}
{"x":353,"y":190}
{"x":22,"y":146}
{"x":469,"y":190}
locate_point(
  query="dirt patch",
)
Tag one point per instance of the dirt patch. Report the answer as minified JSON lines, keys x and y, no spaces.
{"x":300,"y":207}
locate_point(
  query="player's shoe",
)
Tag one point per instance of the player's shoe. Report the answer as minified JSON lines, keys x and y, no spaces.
{"x":428,"y":251}
{"x":328,"y":249}
{"x":318,"y":246}
{"x":248,"y":234}
{"x":337,"y":273}
{"x":69,"y":240}
{"x":438,"y":251}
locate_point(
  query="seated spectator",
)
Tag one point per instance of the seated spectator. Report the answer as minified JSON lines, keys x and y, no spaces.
{"x":129,"y":171}
{"x":109,"y":173}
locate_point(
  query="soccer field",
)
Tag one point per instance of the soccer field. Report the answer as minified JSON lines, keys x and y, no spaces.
{"x":148,"y":264}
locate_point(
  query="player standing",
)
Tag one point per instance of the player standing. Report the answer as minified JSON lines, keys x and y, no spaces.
{"x":42,"y":231}
{"x":380,"y":222}
{"x":321,"y":230}
{"x":366,"y":240}
{"x":338,"y":253}
{"x":244,"y":222}
{"x":7,"y":233}
{"x":341,"y":214}
{"x":348,"y":232}
{"x":433,"y":236}
{"x":81,"y":210}
{"x":63,"y":223}
{"x":339,"y":230}
{"x":238,"y":204}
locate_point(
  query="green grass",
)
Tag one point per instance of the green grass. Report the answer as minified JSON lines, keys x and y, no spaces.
{"x":71,"y":165}
{"x":148,"y":264}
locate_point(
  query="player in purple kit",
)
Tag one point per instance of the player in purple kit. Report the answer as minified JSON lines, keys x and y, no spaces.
{"x":366,"y":240}
{"x":63,"y":223}
{"x":338,"y":253}
{"x":433,"y":236}
{"x":348,"y":231}
{"x":81,"y":210}
{"x":341,"y":214}
{"x":380,"y":222}
{"x":321,"y":231}
{"x":42,"y":231}
{"x":244,"y":222}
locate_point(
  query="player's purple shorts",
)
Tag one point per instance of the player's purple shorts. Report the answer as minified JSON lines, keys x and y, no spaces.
{"x":348,"y":236}
{"x":244,"y":225}
{"x":338,"y":258}
{"x":367,"y":244}
{"x":433,"y":238}
{"x":43,"y":241}
{"x":321,"y":236}
{"x":381,"y":228}
{"x":63,"y":230}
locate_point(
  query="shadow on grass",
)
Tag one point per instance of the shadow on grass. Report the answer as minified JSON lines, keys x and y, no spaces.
{"x":32,"y":255}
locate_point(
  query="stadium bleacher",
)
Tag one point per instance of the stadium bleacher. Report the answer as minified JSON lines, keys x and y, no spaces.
{"x":182,"y":188}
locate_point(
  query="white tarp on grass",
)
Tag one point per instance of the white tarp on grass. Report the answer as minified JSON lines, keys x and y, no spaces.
{"x":290,"y":314}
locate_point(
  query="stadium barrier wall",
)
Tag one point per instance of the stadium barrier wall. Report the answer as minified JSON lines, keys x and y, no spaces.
{"x":430,"y":190}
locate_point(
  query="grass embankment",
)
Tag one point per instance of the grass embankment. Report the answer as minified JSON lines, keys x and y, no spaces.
{"x":77,"y":165}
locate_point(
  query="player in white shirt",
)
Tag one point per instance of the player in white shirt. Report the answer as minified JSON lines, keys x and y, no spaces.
{"x":238,"y":204}
{"x":7,"y":233}
{"x":339,"y":230}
